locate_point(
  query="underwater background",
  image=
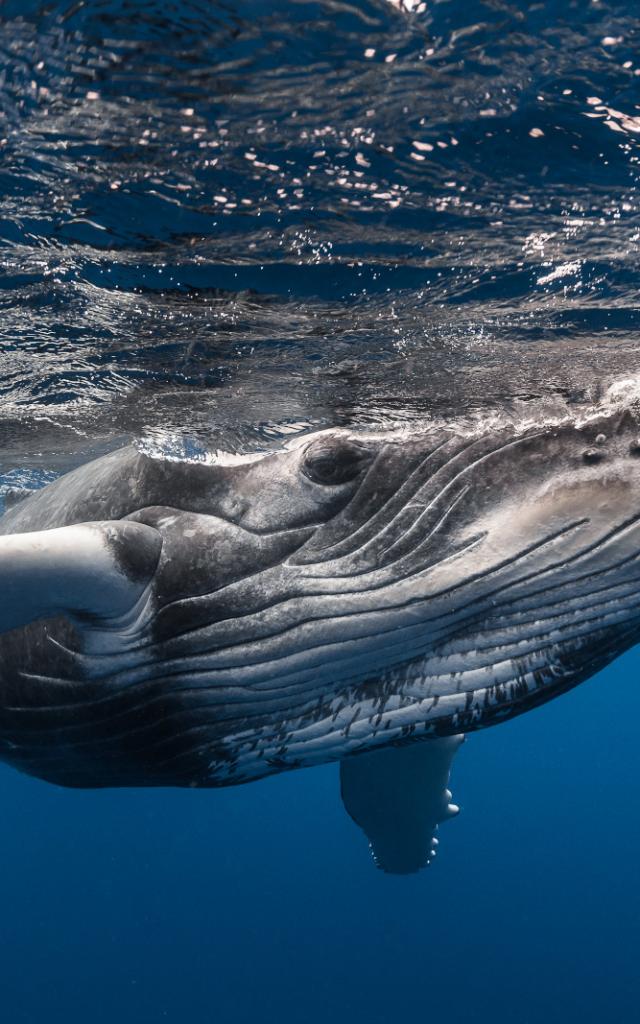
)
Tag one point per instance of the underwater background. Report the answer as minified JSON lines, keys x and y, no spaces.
{"x":221,"y":224}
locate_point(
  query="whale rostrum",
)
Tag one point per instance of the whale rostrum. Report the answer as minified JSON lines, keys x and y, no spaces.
{"x":360,"y":597}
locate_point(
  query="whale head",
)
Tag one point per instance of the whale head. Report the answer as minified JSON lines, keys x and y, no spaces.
{"x":353,"y":591}
{"x":362,"y":589}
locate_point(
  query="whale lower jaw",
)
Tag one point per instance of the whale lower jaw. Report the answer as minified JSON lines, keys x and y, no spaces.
{"x":166,"y":730}
{"x":415,"y":703}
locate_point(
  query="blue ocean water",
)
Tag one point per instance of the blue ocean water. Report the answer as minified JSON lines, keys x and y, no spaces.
{"x":261,"y":903}
{"x":221,"y":223}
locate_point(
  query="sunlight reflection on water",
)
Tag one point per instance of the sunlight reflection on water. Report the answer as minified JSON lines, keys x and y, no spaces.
{"x":216,"y":219}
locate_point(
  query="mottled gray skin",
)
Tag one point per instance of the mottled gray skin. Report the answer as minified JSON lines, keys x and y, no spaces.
{"x":356,"y":591}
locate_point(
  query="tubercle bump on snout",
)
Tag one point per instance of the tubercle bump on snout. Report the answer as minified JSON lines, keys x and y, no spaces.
{"x":593,"y":455}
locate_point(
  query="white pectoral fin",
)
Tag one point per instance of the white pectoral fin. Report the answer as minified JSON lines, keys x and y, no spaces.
{"x":398,"y":796}
{"x":95,"y":570}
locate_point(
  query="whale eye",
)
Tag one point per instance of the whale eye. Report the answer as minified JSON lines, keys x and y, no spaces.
{"x":333,"y":461}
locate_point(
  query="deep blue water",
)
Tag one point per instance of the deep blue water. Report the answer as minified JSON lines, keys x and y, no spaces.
{"x":222,"y":222}
{"x":260,"y":902}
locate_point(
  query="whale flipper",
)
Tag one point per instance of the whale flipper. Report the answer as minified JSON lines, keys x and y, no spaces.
{"x":92,"y":570}
{"x":398,"y":796}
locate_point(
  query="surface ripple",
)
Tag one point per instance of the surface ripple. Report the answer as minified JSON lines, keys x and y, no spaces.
{"x":220,"y":223}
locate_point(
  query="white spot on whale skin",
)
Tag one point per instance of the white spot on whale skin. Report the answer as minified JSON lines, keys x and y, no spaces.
{"x":167,"y":521}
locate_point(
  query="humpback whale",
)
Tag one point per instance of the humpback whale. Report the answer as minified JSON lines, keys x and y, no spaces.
{"x":361,"y":597}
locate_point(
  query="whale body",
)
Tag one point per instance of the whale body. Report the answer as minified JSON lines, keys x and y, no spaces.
{"x":361,"y":597}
